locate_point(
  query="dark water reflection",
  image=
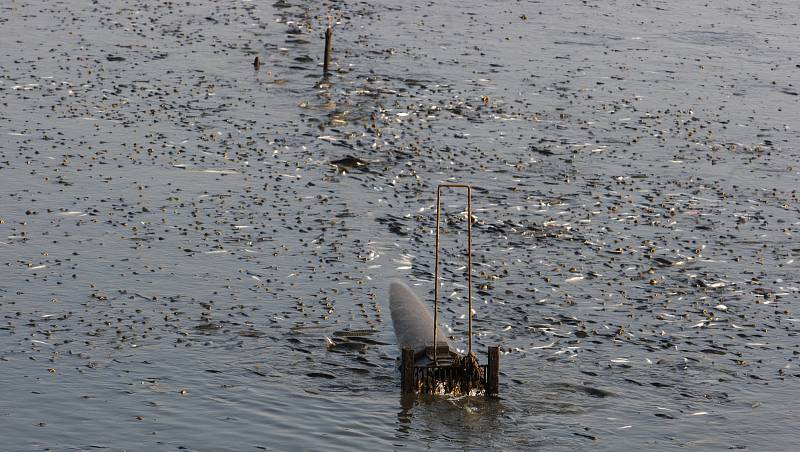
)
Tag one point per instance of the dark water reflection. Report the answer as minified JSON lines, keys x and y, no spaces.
{"x":184,"y":239}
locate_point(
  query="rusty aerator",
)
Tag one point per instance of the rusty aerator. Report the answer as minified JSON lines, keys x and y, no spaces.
{"x":429,"y":364}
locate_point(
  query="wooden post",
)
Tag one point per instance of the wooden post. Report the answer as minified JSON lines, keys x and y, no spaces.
{"x":328,"y":50}
{"x":493,"y":377}
{"x":407,"y":371}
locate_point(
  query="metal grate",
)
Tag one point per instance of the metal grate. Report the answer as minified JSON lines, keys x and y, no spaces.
{"x":450,"y":380}
{"x":463,"y":375}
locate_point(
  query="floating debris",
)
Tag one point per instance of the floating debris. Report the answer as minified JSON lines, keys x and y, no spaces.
{"x":349,"y":162}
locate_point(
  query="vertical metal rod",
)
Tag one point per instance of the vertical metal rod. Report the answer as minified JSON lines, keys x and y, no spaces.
{"x":436,"y":267}
{"x":469,"y":261}
{"x":436,"y":276}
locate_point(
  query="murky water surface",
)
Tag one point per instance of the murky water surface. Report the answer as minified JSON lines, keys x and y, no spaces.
{"x":183,"y":235}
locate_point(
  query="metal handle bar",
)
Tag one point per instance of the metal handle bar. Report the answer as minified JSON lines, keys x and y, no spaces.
{"x":436,"y":268}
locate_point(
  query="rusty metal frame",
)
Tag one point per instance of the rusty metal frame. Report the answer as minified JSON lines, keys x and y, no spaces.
{"x":436,"y":265}
{"x":461,"y":374}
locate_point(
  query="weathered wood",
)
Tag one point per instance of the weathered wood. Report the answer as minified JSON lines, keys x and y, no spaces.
{"x":493,"y":372}
{"x":407,"y":370}
{"x":328,"y":50}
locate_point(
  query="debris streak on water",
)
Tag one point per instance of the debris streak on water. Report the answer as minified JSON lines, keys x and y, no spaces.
{"x":196,"y":251}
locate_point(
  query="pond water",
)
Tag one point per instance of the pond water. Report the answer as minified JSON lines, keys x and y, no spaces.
{"x":184,"y":236}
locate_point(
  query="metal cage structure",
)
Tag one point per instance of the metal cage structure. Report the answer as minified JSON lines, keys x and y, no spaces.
{"x":447,"y":372}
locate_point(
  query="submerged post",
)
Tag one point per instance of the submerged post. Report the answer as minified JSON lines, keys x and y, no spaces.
{"x":493,"y":372}
{"x":407,"y":370}
{"x":328,"y":50}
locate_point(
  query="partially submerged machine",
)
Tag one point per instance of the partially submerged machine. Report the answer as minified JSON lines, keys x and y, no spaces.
{"x":429,"y":362}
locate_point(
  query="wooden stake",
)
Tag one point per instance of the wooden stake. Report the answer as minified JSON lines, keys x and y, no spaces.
{"x":493,"y":377}
{"x":407,"y":371}
{"x":328,"y":51}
